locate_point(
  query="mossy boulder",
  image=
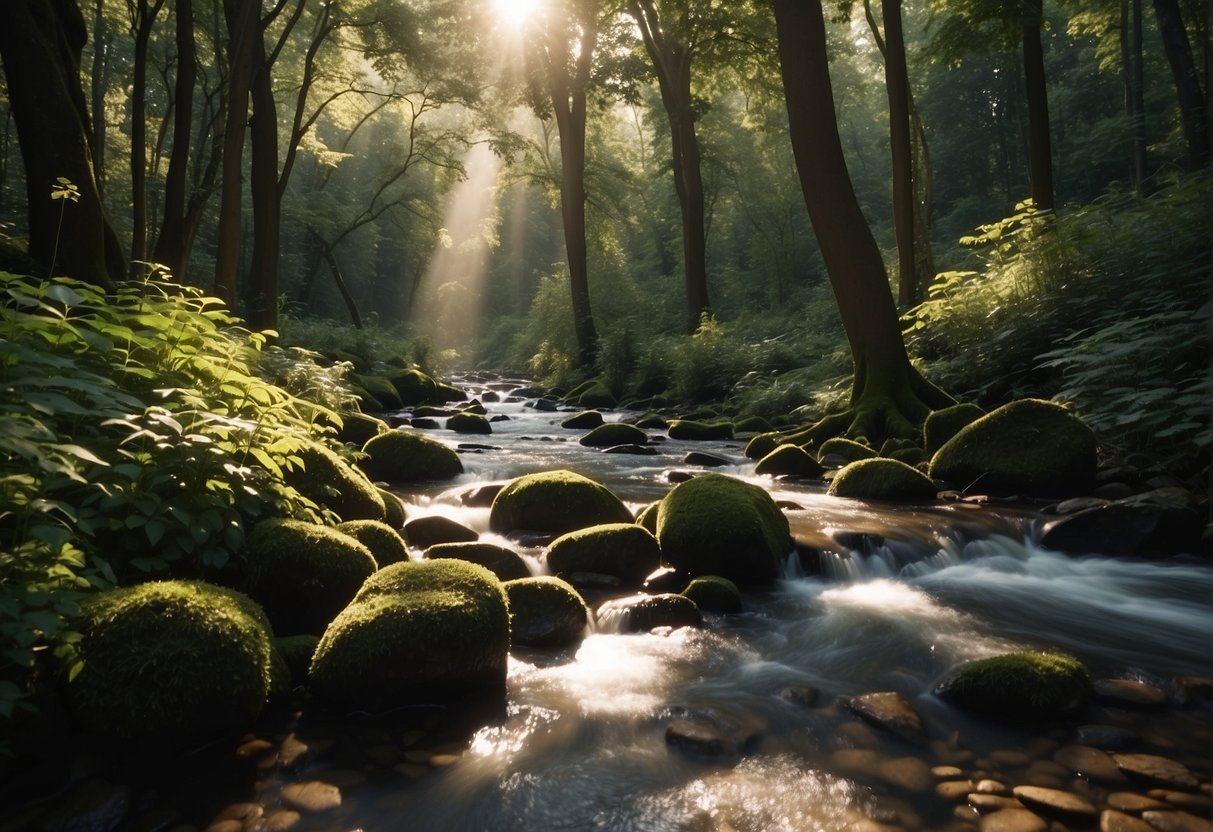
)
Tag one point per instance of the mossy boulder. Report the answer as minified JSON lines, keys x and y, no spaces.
{"x":717,"y":525}
{"x":358,"y":428}
{"x":427,"y":632}
{"x":448,"y":393}
{"x":407,"y":456}
{"x":585,"y":420}
{"x":555,"y":501}
{"x":597,"y":395}
{"x":413,"y":386}
{"x":700,"y":431}
{"x":1028,"y":447}
{"x":393,"y":509}
{"x":652,"y":421}
{"x":840,"y":451}
{"x":910,"y":456}
{"x":625,"y":550}
{"x":614,"y":433}
{"x":302,"y":574}
{"x":712,"y":593}
{"x":296,"y":653}
{"x":506,"y":564}
{"x":545,"y":612}
{"x":171,"y":658}
{"x":641,"y":613}
{"x":942,"y":425}
{"x":882,"y":479}
{"x":788,"y":460}
{"x":382,"y":393}
{"x":752,"y":424}
{"x":1019,"y":686}
{"x":386,"y":544}
{"x":647,"y":518}
{"x":329,"y":481}
{"x":467,"y":422}
{"x":763,"y":444}
{"x":424,"y":532}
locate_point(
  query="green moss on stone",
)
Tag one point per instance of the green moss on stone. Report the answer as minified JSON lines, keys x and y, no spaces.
{"x":393,"y":510}
{"x":840,"y":451}
{"x":752,"y":424}
{"x":416,"y":632}
{"x":386,"y":544}
{"x":614,"y":433}
{"x":647,"y":518}
{"x":718,"y":525}
{"x":545,"y":612}
{"x":175,"y":658}
{"x":1019,"y":686}
{"x":585,"y":420}
{"x":507,"y":565}
{"x":407,"y":456}
{"x":296,"y":653}
{"x":303,"y":574}
{"x":329,"y":481}
{"x":413,"y":386}
{"x":690,"y":429}
{"x":598,"y":395}
{"x":652,"y":421}
{"x":625,"y":550}
{"x":1028,"y":447}
{"x":468,"y":422}
{"x":712,"y":593}
{"x":910,"y":456}
{"x":788,"y":460}
{"x":382,"y":392}
{"x":942,"y":425}
{"x":358,"y":428}
{"x":882,"y":479}
{"x":763,"y":444}
{"x":555,"y":501}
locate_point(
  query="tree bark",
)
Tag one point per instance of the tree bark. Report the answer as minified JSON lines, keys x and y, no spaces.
{"x":1040,"y":151}
{"x":170,"y":247}
{"x":143,"y":17}
{"x":243,"y":23}
{"x":40,"y":43}
{"x":897,"y":82}
{"x":888,"y":396}
{"x":1131,"y":72}
{"x":1193,"y":110}
{"x":100,"y":79}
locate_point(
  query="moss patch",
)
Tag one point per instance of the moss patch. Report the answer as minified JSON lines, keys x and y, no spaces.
{"x":752,"y":424}
{"x":407,"y":456}
{"x":597,"y":395}
{"x":1019,"y":686}
{"x":555,"y":501}
{"x":1028,"y":447}
{"x":717,"y":525}
{"x":467,"y":422}
{"x":329,"y":481}
{"x":385,"y":543}
{"x":700,"y":431}
{"x":393,"y":510}
{"x":882,"y":479}
{"x":614,"y":433}
{"x":790,"y":460}
{"x":626,"y":550}
{"x":383,"y":395}
{"x":507,"y":565}
{"x":414,"y":387}
{"x":358,"y":428}
{"x":712,"y":593}
{"x":763,"y":444}
{"x":942,"y":425}
{"x":840,"y":451}
{"x":585,"y":420}
{"x":647,"y":518}
{"x":296,"y":653}
{"x":545,"y":612}
{"x":177,"y":658}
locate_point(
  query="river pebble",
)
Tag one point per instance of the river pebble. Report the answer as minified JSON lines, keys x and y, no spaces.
{"x":1090,"y":763}
{"x":1113,"y":821}
{"x":1055,"y":802}
{"x":954,"y":791}
{"x":240,"y":812}
{"x":1161,"y":770}
{"x":989,"y":786}
{"x":293,"y":753}
{"x":254,"y":747}
{"x":230,"y":825}
{"x":1130,"y":692}
{"x":699,"y":738}
{"x":1197,"y":804}
{"x":311,"y":796}
{"x":1013,"y":820}
{"x":282,"y":820}
{"x":986,"y":803}
{"x":1176,"y":822}
{"x":892,"y":712}
{"x":1133,"y":803}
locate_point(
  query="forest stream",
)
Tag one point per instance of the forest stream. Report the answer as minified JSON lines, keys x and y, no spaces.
{"x":898,"y":596}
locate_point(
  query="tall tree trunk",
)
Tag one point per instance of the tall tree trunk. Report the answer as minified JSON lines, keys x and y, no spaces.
{"x":888,"y":396}
{"x":40,"y":44}
{"x":1040,"y":151}
{"x":243,"y":24}
{"x":1131,"y":69}
{"x":897,"y":82}
{"x":1193,"y":110}
{"x":100,"y":82}
{"x":262,"y":295}
{"x":143,"y":17}
{"x":171,"y":244}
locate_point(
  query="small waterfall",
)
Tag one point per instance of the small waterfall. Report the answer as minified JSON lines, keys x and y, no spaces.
{"x":910,"y":559}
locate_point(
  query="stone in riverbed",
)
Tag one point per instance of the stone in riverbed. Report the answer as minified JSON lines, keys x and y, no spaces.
{"x":626,"y":550}
{"x":1129,"y":692}
{"x":882,"y":479}
{"x":585,"y":420}
{"x":1159,"y":523}
{"x":1108,"y":737}
{"x":1111,"y":820}
{"x":642,"y":613}
{"x":713,"y":593}
{"x":1090,"y":763}
{"x":700,"y":738}
{"x":424,"y":532}
{"x":1013,"y":820}
{"x":311,"y":796}
{"x":555,"y":501}
{"x":614,"y":433}
{"x":505,"y":563}
{"x":1176,"y":822}
{"x":892,"y":712}
{"x":1133,"y":803}
{"x":1160,"y":770}
{"x":787,"y":460}
{"x":1056,"y":803}
{"x":545,"y":612}
{"x":1014,"y":686}
{"x":407,"y":456}
{"x":468,"y":422}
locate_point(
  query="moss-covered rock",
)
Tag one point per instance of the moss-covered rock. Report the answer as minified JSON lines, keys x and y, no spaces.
{"x":358,"y":428}
{"x":910,"y":456}
{"x":407,"y":456}
{"x":433,"y":529}
{"x":882,"y":479}
{"x":647,"y":518}
{"x":393,"y":510}
{"x":652,"y":421}
{"x":448,"y":393}
{"x":413,"y":386}
{"x":1028,"y":447}
{"x":303,"y":574}
{"x":1019,"y":686}
{"x":693,"y":430}
{"x":381,"y":391}
{"x":296,"y":653}
{"x":752,"y":424}
{"x":585,"y":420}
{"x":840,"y":451}
{"x":641,"y":613}
{"x":506,"y":564}
{"x":763,"y":444}
{"x":712,"y":593}
{"x":598,"y":395}
{"x":416,"y":632}
{"x":717,"y":525}
{"x":625,"y":550}
{"x":942,"y":425}
{"x":386,"y":544}
{"x":468,"y":422}
{"x":555,"y":501}
{"x":174,"y":658}
{"x":788,"y":460}
{"x":614,"y":433}
{"x":329,"y":481}
{"x":545,"y":612}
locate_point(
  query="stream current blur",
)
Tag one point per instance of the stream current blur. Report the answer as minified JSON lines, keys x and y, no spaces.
{"x":900,"y":595}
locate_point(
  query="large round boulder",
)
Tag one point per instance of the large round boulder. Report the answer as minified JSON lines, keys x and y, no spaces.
{"x":788,"y":460}
{"x":435,"y":631}
{"x":555,"y":501}
{"x":386,"y":544}
{"x":545,"y":612}
{"x":467,"y":422}
{"x":641,"y":613}
{"x":172,"y":658}
{"x":585,"y":420}
{"x":303,"y":574}
{"x":1028,"y":447}
{"x":942,"y":425}
{"x":413,"y":386}
{"x":717,"y":525}
{"x":697,"y":431}
{"x":882,"y":479}
{"x":329,"y":481}
{"x":1018,"y":686}
{"x":358,"y":428}
{"x":712,"y":593}
{"x":506,"y":564}
{"x":407,"y":456}
{"x":627,"y":551}
{"x":614,"y":433}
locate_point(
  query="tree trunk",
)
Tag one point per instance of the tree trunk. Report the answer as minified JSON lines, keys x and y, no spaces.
{"x":40,"y":44}
{"x":262,"y":296}
{"x":171,"y":244}
{"x":897,"y":82}
{"x":888,"y":396}
{"x":1131,"y":70}
{"x":243,"y":24}
{"x":100,"y":79}
{"x":1192,"y":102}
{"x":143,"y":18}
{"x":1040,"y":151}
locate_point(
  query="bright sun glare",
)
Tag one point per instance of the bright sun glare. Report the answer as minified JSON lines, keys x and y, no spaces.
{"x":515,"y":12}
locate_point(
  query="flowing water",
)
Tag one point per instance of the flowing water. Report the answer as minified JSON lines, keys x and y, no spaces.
{"x":896,"y":597}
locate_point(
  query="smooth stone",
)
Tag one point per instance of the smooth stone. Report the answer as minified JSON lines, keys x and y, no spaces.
{"x":954,"y":791}
{"x":803,"y":695}
{"x":997,"y":787}
{"x":424,"y":532}
{"x":444,"y":760}
{"x":311,"y":796}
{"x":1176,"y":822}
{"x":1111,"y":820}
{"x":1013,"y":820}
{"x":892,"y":712}
{"x":631,"y":450}
{"x":253,"y":748}
{"x":908,"y":773}
{"x":1197,"y":804}
{"x":985,"y":803}
{"x":229,"y":825}
{"x":947,"y":772}
{"x":1109,"y":737}
{"x":1010,"y":758}
{"x":280,"y":821}
{"x":1129,"y":692}
{"x":1045,"y":771}
{"x":705,"y":460}
{"x":699,"y":738}
{"x":1090,"y":763}
{"x":293,"y":752}
{"x":1157,"y":769}
{"x":240,"y":812}
{"x":1055,"y":802}
{"x":1133,"y":803}
{"x":855,"y":735}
